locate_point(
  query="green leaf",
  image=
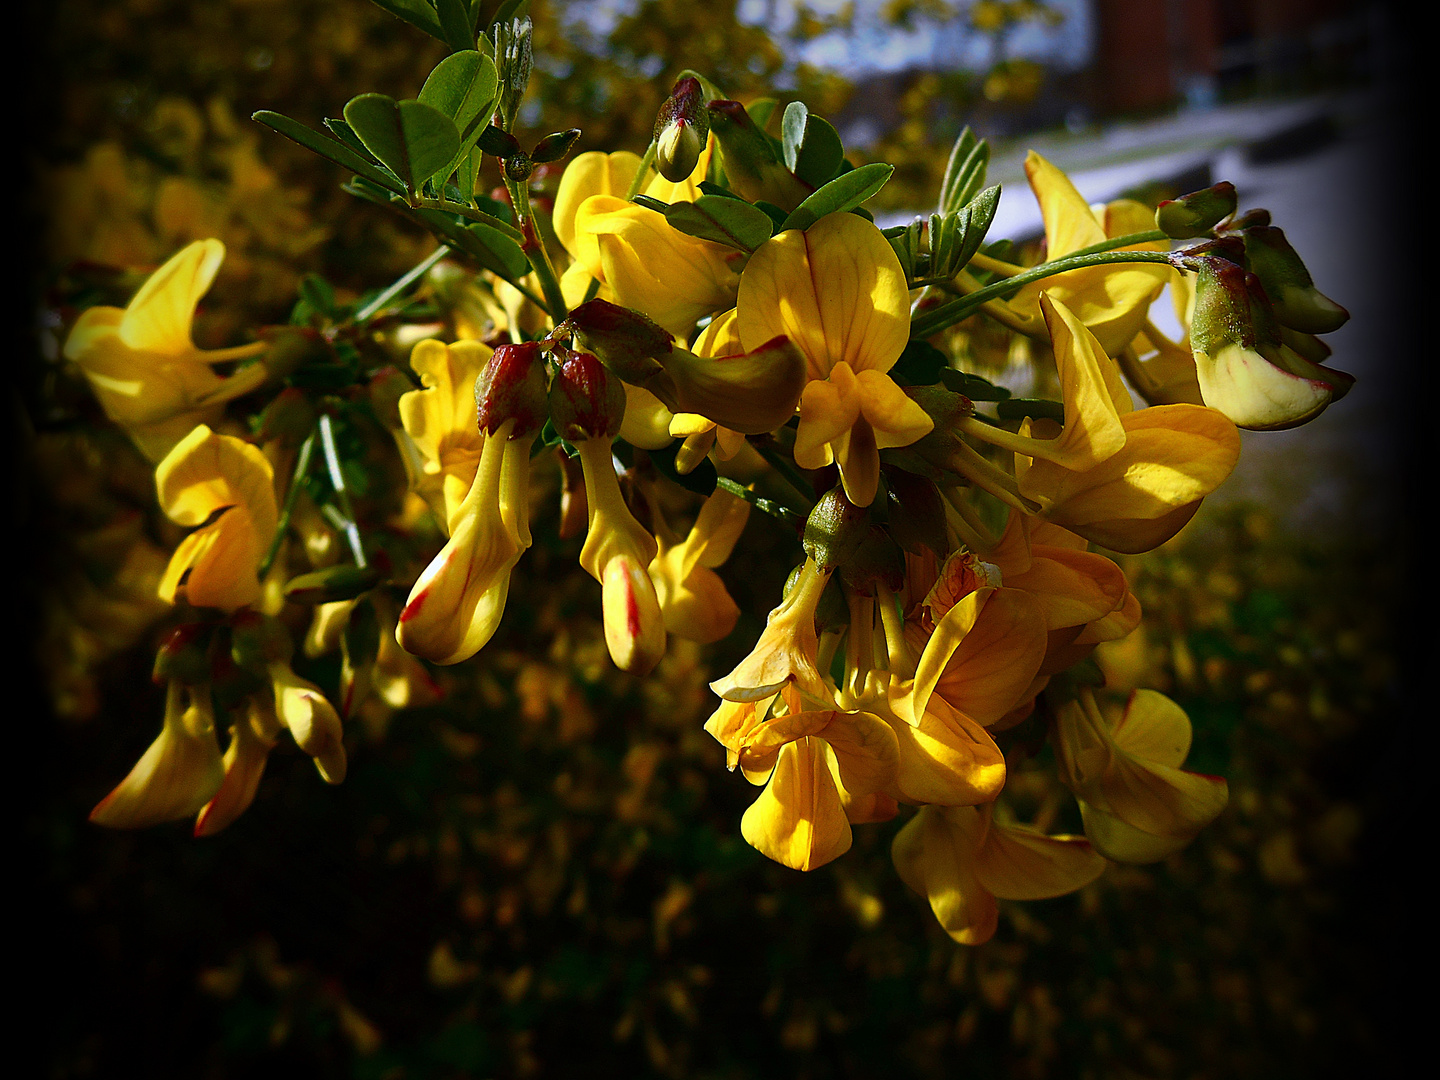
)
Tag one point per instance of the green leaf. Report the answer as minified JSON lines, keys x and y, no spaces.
{"x":494,"y":250}
{"x":1017,"y":408}
{"x":811,"y":146}
{"x":329,"y":148}
{"x":318,"y":293}
{"x":707,"y":188}
{"x":463,"y":87}
{"x":919,"y":365}
{"x":964,"y":173}
{"x":414,"y":140}
{"x":972,"y":386}
{"x":732,"y":222}
{"x":417,"y":13}
{"x":458,"y":23}
{"x":511,"y":9}
{"x":845,"y":192}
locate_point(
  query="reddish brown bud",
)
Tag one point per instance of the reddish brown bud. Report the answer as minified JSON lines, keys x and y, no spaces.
{"x":681,"y":129}
{"x":625,"y":341}
{"x":512,"y":387}
{"x":586,"y":401}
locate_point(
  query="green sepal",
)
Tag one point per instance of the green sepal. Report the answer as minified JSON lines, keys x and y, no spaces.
{"x":555,"y":146}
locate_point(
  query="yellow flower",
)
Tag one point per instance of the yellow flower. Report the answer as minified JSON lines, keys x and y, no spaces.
{"x":820,"y":769}
{"x":179,"y":773}
{"x":701,"y":435}
{"x":673,"y":278}
{"x":788,"y":647}
{"x":252,"y":737}
{"x":1124,"y":478}
{"x":692,"y":597}
{"x":1112,"y":301}
{"x":593,"y":173}
{"x":962,"y":860}
{"x":1138,"y":804}
{"x":303,"y":708}
{"x":456,"y":603}
{"x":837,"y":291}
{"x":225,"y":486}
{"x":144,"y":367}
{"x":442,"y":424}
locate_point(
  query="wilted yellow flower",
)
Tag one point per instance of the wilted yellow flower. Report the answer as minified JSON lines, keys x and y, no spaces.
{"x":1138,"y":804}
{"x":144,"y":367}
{"x":962,"y":860}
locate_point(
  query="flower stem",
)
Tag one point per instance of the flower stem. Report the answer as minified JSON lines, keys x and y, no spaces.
{"x":790,"y":517}
{"x":544,"y":268}
{"x":402,"y":283}
{"x":792,"y":475}
{"x":302,"y":466}
{"x":937,"y":319}
{"x":337,"y":481}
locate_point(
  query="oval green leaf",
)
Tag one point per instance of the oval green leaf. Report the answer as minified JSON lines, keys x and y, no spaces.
{"x":731,"y":222}
{"x":845,"y":192}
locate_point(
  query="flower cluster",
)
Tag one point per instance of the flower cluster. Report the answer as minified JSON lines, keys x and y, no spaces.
{"x":717,"y":327}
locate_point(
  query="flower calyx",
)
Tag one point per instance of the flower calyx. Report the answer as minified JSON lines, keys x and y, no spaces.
{"x":1197,"y":213}
{"x":681,"y":130}
{"x":511,"y":386}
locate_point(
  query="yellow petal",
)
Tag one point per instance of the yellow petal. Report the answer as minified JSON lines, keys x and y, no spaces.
{"x":158,"y":317}
{"x":1019,"y":863}
{"x":592,"y":173}
{"x":245,"y":760}
{"x":1123,"y":843}
{"x":935,"y":855}
{"x":206,"y":471}
{"x":990,"y":669}
{"x":947,"y":759}
{"x":837,"y":290}
{"x":798,"y":819}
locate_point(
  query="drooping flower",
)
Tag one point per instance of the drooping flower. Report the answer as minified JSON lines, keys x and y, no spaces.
{"x":179,"y":773}
{"x":1124,"y":767}
{"x":838,"y":292}
{"x":144,"y":367}
{"x":962,"y":860}
{"x":225,"y":486}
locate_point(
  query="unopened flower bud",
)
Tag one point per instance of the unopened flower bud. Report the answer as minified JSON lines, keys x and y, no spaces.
{"x":290,"y":347}
{"x":1244,"y":368}
{"x":586,"y":401}
{"x":681,"y":129}
{"x":512,"y":387}
{"x":183,"y":656}
{"x":343,"y":582}
{"x":1196,"y":213}
{"x":752,"y":164}
{"x":555,"y":146}
{"x":835,"y":529}
{"x":1296,"y":301}
{"x":625,"y":341}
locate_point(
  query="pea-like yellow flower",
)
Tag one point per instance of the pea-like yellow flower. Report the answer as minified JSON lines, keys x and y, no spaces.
{"x":1137,"y":803}
{"x":692,"y":597}
{"x":1113,"y":301}
{"x":701,"y":434}
{"x":788,"y":648}
{"x":179,"y":773}
{"x":821,"y":769}
{"x":442,"y":424}
{"x":303,"y":708}
{"x":1124,"y":478}
{"x":647,"y":265}
{"x":225,"y":486}
{"x":838,"y":292}
{"x":144,"y":367}
{"x":961,"y":859}
{"x":456,"y":603}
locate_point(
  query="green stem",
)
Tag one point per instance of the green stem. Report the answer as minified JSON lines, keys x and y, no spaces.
{"x":1149,"y":236}
{"x":642,"y":172}
{"x":302,"y":466}
{"x":337,"y":481}
{"x":776,"y":510}
{"x":937,"y":319}
{"x":461,"y":210}
{"x":411,"y":276}
{"x":792,"y":475}
{"x":544,"y":269}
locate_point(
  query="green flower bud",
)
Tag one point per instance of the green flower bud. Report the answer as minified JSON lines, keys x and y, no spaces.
{"x":1296,"y":301}
{"x":1197,"y":213}
{"x":681,"y":130}
{"x":332,"y":583}
{"x":835,"y":529}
